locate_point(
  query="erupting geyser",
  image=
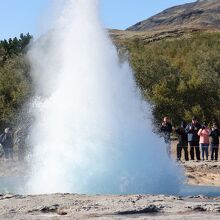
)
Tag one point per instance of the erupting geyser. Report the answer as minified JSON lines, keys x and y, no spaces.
{"x":93,"y":130}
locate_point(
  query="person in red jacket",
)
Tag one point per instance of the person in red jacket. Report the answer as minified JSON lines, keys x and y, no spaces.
{"x":204,"y":133}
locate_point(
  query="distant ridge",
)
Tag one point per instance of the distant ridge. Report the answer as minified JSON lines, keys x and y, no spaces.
{"x":202,"y":14}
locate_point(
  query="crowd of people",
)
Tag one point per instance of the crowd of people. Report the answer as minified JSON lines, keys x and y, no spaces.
{"x":8,"y":139}
{"x":196,"y":140}
{"x":201,"y":140}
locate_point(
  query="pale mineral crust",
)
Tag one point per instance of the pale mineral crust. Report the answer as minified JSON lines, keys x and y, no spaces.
{"x":74,"y":206}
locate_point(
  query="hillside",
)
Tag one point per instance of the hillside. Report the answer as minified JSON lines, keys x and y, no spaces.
{"x":175,"y":59}
{"x":175,"y":69}
{"x":202,"y":14}
{"x":170,"y":67}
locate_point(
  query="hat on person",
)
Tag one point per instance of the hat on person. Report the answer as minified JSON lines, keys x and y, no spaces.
{"x":6,"y":130}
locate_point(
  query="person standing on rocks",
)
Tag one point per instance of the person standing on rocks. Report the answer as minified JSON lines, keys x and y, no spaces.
{"x":183,"y":141}
{"x":204,"y":133}
{"x":6,"y":140}
{"x":166,"y":129}
{"x":193,"y":138}
{"x":20,"y":142}
{"x":215,"y":134}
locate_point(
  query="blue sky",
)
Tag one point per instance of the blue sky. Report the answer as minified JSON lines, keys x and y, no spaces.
{"x":22,"y":16}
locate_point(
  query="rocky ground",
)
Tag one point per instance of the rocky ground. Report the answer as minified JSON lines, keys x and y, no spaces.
{"x":204,"y":173}
{"x":73,"y":206}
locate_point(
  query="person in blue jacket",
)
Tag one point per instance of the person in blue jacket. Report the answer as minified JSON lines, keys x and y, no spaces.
{"x":193,"y":138}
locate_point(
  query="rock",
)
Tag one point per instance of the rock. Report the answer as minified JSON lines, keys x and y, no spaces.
{"x":52,"y":208}
{"x":148,"y":209}
{"x":8,"y":196}
{"x":198,"y":197}
{"x":199,"y":208}
{"x":216,"y":209}
{"x":62,"y":212}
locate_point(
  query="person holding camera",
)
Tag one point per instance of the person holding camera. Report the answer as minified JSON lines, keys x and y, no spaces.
{"x":183,"y":141}
{"x":166,"y":130}
{"x":193,"y":138}
{"x":6,"y":140}
{"x":215,"y":134}
{"x":204,"y":133}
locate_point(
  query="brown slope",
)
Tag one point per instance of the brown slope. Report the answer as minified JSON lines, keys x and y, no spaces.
{"x":199,"y":14}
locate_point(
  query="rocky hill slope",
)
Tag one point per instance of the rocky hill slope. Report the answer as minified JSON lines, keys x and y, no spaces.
{"x":202,"y":14}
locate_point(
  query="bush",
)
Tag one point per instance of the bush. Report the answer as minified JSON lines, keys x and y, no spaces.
{"x":180,"y":77}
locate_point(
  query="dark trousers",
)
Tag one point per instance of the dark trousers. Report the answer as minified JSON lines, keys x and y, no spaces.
{"x":181,"y":147}
{"x":8,"y":151}
{"x":194,"y":148}
{"x":214,"y":152}
{"x":168,"y":145}
{"x":21,"y":153}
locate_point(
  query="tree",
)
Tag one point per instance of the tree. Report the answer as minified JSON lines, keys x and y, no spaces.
{"x":15,"y":46}
{"x":180,"y":77}
{"x":15,"y":89}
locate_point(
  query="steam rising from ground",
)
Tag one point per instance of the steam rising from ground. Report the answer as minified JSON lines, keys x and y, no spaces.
{"x":93,"y":132}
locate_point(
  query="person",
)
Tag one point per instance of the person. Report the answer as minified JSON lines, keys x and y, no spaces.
{"x":166,"y":129}
{"x":6,"y":140}
{"x":20,"y":142}
{"x":193,"y":138}
{"x":215,"y":134}
{"x":1,"y":151}
{"x":204,"y":133}
{"x":183,"y":141}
